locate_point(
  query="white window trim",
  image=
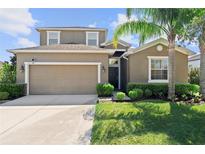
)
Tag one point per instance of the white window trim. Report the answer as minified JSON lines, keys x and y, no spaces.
{"x":92,"y":33}
{"x":27,"y":64}
{"x":149,"y":69}
{"x":48,"y":36}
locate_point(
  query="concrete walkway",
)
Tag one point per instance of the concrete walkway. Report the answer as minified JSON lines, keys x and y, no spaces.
{"x":46,"y":124}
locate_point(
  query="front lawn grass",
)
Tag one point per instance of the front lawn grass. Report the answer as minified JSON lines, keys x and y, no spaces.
{"x":148,"y":122}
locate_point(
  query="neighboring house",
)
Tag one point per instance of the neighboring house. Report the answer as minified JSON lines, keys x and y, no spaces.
{"x":72,"y":60}
{"x":194,"y":61}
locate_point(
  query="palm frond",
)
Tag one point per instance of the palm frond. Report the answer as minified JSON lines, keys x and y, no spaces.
{"x":144,"y":29}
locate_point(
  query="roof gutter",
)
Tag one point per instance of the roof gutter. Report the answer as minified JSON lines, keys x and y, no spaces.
{"x":107,"y":51}
{"x":123,"y":56}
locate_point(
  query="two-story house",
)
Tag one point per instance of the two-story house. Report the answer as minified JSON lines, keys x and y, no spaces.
{"x":72,"y":60}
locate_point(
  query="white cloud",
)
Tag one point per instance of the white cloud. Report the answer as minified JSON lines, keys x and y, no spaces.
{"x":92,"y":25}
{"x":122,"y":18}
{"x":16,"y":21}
{"x":130,"y":39}
{"x":24,"y":42}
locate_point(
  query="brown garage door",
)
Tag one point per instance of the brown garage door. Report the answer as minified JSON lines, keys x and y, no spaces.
{"x":62,"y":79}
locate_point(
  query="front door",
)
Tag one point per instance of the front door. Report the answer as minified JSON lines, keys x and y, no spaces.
{"x":114,"y":76}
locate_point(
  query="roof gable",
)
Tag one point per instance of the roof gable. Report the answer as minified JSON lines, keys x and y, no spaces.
{"x":121,"y":42}
{"x":156,"y":42}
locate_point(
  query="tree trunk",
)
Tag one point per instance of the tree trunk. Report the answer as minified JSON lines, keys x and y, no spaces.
{"x":171,"y":68}
{"x":202,"y":66}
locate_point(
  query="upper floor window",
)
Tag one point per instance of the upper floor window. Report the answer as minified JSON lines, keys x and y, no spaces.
{"x":53,"y":37}
{"x":158,"y":69}
{"x":92,"y":38}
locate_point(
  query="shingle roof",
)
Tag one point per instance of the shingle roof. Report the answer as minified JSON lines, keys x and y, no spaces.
{"x":70,"y":28}
{"x":62,"y":47}
{"x":194,"y":57}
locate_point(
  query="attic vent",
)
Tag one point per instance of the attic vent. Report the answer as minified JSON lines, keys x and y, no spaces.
{"x":159,"y":48}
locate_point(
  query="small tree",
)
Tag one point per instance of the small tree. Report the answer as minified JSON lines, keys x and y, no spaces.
{"x":195,"y":32}
{"x":8,"y":71}
{"x":194,"y":74}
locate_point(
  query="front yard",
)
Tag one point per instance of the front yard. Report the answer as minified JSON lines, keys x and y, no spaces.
{"x":148,"y":122}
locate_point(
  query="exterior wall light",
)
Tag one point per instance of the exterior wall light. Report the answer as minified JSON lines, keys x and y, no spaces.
{"x":103,"y":69}
{"x":22,"y":69}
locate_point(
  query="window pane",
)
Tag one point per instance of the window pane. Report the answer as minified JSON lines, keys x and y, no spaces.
{"x":92,"y":42}
{"x":113,"y":61}
{"x":155,"y":64}
{"x":159,"y":64}
{"x":92,"y":36}
{"x":159,"y":75}
{"x":53,"y":35}
{"x":53,"y":41}
{"x":164,"y":64}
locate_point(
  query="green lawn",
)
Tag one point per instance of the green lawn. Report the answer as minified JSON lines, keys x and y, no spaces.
{"x":148,"y":122}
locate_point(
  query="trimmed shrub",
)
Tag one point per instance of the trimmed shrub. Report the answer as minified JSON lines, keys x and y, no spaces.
{"x":4,"y":95}
{"x":120,"y":96}
{"x":147,"y":93}
{"x":155,"y":87}
{"x":14,"y":90}
{"x":135,"y":94}
{"x":187,"y":89}
{"x":104,"y":89}
{"x":160,"y":90}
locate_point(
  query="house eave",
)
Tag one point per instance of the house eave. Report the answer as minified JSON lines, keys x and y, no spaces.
{"x":104,"y":51}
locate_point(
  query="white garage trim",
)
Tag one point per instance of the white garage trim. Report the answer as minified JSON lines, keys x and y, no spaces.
{"x":27,"y":64}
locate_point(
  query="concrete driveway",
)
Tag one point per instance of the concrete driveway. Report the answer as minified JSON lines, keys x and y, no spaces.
{"x":56,"y":119}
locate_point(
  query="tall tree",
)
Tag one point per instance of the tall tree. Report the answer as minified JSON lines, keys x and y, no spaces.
{"x":155,"y":23}
{"x":195,"y":32}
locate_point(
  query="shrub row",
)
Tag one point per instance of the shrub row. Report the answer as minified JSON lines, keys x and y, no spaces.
{"x":104,"y":89}
{"x":161,"y":90}
{"x":14,"y":90}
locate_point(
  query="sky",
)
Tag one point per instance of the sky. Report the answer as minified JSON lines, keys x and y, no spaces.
{"x":17,"y":26}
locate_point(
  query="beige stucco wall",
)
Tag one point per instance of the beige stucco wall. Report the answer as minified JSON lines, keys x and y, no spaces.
{"x":138,"y":65}
{"x":72,"y":37}
{"x":61,"y":57}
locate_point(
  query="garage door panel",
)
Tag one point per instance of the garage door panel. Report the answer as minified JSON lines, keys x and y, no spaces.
{"x":66,"y":79}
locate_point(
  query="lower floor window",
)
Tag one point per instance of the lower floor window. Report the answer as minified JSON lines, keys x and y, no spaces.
{"x":158,"y":68}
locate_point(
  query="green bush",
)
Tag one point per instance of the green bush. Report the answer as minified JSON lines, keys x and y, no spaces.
{"x":8,"y":73}
{"x":187,"y":89}
{"x":160,"y":90}
{"x":135,"y":94}
{"x":132,"y":94}
{"x":156,"y":88}
{"x":194,"y":76}
{"x":14,"y":90}
{"x":104,"y":89}
{"x":4,"y":95}
{"x":120,"y":96}
{"x":147,"y":93}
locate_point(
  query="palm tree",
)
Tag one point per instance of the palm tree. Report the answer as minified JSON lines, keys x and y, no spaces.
{"x":155,"y":23}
